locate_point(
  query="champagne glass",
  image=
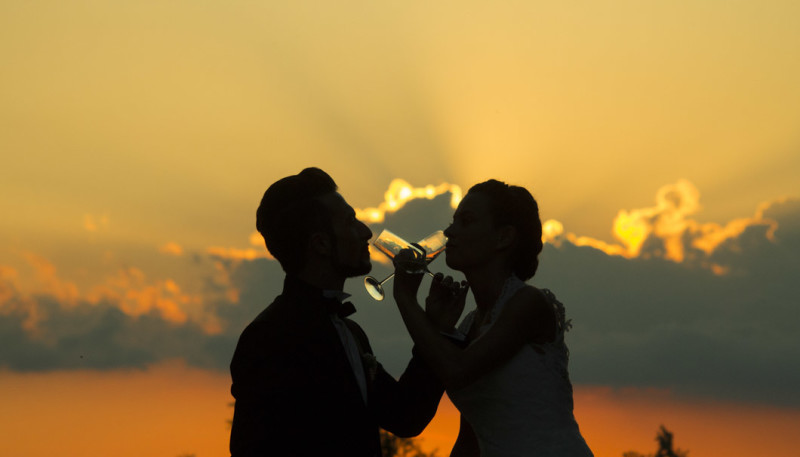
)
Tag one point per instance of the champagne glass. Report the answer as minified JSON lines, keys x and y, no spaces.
{"x":390,"y":244}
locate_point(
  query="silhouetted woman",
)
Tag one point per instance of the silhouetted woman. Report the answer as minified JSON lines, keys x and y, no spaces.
{"x":509,"y":378}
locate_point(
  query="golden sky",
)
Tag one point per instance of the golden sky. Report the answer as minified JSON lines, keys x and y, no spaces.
{"x":138,"y":137}
{"x":166,"y":118}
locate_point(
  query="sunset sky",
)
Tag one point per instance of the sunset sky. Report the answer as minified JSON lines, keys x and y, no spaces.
{"x":662,"y":140}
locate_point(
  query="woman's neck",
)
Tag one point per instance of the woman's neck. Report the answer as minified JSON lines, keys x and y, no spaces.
{"x":486,"y":285}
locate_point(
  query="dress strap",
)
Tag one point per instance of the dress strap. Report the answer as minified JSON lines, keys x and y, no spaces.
{"x":512,"y":285}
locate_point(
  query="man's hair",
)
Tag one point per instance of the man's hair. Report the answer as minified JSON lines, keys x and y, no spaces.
{"x":290,"y":212}
{"x":515,"y":206}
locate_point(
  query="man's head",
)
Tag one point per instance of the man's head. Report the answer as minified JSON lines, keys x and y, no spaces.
{"x":303,"y":218}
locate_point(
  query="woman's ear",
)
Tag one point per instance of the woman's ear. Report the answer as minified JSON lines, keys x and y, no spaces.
{"x":506,"y":237}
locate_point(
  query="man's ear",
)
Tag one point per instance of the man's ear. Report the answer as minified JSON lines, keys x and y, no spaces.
{"x":321,"y":244}
{"x":506,"y":237}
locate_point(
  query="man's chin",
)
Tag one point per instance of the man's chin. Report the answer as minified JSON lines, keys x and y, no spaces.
{"x":365,"y":269}
{"x":353,"y":271}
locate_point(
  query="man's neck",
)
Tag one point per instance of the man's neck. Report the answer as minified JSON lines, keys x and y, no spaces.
{"x":322,"y":279}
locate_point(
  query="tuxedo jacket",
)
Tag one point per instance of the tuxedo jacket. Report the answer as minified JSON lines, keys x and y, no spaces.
{"x":296,"y":393}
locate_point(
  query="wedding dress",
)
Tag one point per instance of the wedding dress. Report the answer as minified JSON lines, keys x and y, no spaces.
{"x":524,"y":407}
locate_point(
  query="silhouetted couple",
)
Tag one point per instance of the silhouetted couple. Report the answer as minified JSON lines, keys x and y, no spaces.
{"x":304,"y":377}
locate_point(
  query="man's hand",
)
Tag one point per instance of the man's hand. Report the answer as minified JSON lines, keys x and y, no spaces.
{"x":445,"y":302}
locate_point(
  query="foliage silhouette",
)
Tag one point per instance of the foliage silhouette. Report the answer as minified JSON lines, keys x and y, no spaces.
{"x":394,"y":446}
{"x":665,"y":447}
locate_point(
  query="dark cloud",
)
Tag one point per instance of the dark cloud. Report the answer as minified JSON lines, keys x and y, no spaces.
{"x":419,"y":218}
{"x":653,"y":322}
{"x":637,"y":322}
{"x":763,"y":252}
{"x":100,"y":336}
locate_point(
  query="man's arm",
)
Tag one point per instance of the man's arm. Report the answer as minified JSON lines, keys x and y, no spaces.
{"x":404,"y":407}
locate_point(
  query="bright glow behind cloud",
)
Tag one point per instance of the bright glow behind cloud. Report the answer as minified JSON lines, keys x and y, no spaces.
{"x":398,"y":194}
{"x":666,"y":229}
{"x":401,"y":192}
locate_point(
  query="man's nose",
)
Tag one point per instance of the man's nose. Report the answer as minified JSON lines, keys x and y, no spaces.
{"x":367,"y":232}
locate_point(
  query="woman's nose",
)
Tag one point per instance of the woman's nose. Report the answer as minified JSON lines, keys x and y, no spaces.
{"x":448,"y":232}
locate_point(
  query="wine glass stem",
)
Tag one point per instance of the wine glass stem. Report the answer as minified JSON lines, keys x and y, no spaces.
{"x":387,"y":278}
{"x":392,"y":276}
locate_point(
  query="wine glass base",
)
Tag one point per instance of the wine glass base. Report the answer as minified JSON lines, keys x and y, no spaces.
{"x":374,"y":288}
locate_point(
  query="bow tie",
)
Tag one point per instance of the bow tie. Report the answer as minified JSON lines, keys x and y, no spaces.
{"x":342,"y":309}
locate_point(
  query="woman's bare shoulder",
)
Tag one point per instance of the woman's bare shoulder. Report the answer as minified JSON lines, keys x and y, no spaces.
{"x":530,"y":296}
{"x":532,"y":303}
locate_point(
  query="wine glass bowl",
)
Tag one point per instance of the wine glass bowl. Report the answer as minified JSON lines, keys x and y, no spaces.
{"x":374,"y":288}
{"x":433,"y":245}
{"x":390,"y":245}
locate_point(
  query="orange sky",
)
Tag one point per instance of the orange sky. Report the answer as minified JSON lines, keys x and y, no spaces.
{"x":171,"y":410}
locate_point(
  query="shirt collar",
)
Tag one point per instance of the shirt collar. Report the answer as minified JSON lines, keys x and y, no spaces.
{"x":337,"y":295}
{"x":332,"y":300}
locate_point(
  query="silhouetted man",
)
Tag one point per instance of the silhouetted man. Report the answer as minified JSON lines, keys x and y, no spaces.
{"x":304,"y":378}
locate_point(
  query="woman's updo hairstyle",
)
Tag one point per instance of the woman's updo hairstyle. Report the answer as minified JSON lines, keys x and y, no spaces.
{"x":515,"y":206}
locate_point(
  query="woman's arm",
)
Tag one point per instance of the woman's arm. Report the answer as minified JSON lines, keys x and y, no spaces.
{"x":516,"y":325}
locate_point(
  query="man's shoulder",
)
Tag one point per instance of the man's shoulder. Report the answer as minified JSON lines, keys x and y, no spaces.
{"x":277,"y":325}
{"x":277,"y":315}
{"x":286,"y":314}
{"x":278,"y":307}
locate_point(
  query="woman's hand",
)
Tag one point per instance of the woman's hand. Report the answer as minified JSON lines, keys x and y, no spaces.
{"x":407,"y":284}
{"x":445,"y":302}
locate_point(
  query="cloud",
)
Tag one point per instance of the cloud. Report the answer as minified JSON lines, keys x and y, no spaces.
{"x":171,"y":248}
{"x":765,"y":250}
{"x":14,"y":305}
{"x":134,"y":296}
{"x":102,"y":336}
{"x":650,"y":320}
{"x":401,"y":192}
{"x":66,"y":292}
{"x":128,"y":289}
{"x":95,"y":223}
{"x":666,"y":229}
{"x":237,"y":253}
{"x":128,"y":320}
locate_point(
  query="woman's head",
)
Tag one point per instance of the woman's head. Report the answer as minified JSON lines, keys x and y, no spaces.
{"x":496,"y":216}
